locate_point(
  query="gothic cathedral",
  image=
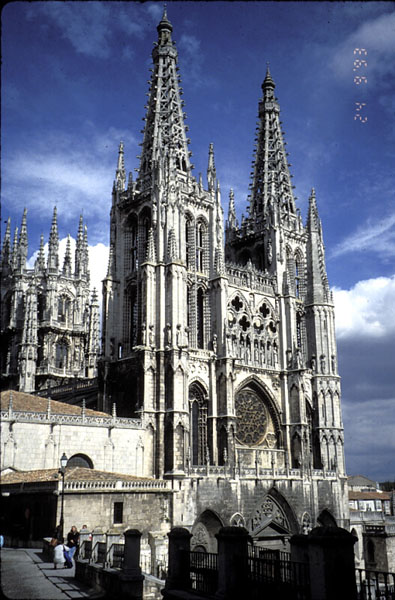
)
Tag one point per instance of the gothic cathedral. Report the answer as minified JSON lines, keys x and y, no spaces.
{"x":49,"y":321}
{"x":222,"y":340}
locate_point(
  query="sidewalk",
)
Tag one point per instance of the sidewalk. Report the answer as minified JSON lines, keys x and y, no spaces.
{"x":24,"y":574}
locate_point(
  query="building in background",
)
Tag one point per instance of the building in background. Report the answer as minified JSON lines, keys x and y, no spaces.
{"x":49,"y":318}
{"x":372,"y":521}
{"x":222,"y":341}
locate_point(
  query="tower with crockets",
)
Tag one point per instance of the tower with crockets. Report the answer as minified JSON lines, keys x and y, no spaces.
{"x":222,"y":342}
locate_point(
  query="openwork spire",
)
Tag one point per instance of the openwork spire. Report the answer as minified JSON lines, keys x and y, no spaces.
{"x":271,"y":180}
{"x":318,"y":290}
{"x":22,"y":243}
{"x":120,"y":174}
{"x":165,"y":132}
{"x":231,"y":223}
{"x":40,"y":260}
{"x":6,"y":247}
{"x":53,"y":245}
{"x":67,"y":258}
{"x":211,"y":172}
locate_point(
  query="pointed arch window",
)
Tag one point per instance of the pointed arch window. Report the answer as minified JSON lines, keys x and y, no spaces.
{"x":200,"y":318}
{"x":133,"y":249}
{"x":198,"y":426}
{"x":298,"y":330}
{"x":200,"y":235}
{"x":63,"y":308}
{"x":188,"y":244}
{"x":61,"y":354}
{"x":297,"y":278}
{"x":40,"y":307}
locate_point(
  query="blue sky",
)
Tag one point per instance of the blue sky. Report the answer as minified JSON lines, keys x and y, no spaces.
{"x":74,"y":80}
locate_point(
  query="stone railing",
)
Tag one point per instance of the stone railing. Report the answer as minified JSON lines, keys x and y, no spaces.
{"x":57,"y":419}
{"x":251,"y":278}
{"x":139,"y":484}
{"x":147,"y":485}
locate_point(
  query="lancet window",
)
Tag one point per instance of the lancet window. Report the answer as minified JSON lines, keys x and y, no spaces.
{"x":61,"y":354}
{"x":198,"y":426}
{"x":63,"y":308}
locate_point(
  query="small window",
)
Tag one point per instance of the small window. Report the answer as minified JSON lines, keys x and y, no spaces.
{"x":118,"y":512}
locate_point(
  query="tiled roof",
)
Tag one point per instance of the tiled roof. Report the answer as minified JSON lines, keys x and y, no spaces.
{"x":28,"y":403}
{"x":72,"y":474}
{"x":369,"y":495}
{"x":360,"y":480}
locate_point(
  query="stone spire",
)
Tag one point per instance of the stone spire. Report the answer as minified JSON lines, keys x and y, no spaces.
{"x":271,"y":180}
{"x":120,"y":173}
{"x":317,"y":280}
{"x":39,"y":265}
{"x":67,"y":258}
{"x":6,"y":247}
{"x":22,"y":243}
{"x":211,"y":172}
{"x":79,"y":249}
{"x":164,"y":132}
{"x":53,"y":245}
{"x":86,"y":254}
{"x":151,"y":254}
{"x":14,"y":258}
{"x":231,"y":222}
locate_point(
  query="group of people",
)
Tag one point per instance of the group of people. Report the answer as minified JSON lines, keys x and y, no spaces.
{"x":63,"y":553}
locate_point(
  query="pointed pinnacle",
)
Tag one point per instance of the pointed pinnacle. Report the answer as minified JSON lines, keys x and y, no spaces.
{"x":268,"y":81}
{"x":151,"y":246}
{"x":80,"y":229}
{"x":94,"y":299}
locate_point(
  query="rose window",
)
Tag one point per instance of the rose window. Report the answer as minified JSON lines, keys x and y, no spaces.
{"x":251,"y":418}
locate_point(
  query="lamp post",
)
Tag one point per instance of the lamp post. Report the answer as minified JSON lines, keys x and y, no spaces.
{"x":62,"y":470}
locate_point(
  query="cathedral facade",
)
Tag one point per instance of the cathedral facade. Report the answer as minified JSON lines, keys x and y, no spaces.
{"x":49,"y":318}
{"x":221,"y":339}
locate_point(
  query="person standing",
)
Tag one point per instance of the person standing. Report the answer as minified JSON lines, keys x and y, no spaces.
{"x":72,"y":541}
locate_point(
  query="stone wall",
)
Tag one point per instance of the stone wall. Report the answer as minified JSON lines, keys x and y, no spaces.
{"x":39,"y":445}
{"x":144,"y":511}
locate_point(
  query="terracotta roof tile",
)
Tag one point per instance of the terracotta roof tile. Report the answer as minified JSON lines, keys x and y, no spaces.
{"x":35,"y":404}
{"x":369,"y":495}
{"x":72,"y":474}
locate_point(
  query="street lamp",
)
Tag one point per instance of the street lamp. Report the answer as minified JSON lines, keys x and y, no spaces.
{"x":62,"y":470}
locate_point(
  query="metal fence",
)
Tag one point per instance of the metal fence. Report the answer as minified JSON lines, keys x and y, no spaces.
{"x":204,"y":572}
{"x":279,"y":578}
{"x":375,"y":585}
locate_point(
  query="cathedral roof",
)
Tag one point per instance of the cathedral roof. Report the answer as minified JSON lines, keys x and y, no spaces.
{"x":35,"y":404}
{"x":71,"y":474}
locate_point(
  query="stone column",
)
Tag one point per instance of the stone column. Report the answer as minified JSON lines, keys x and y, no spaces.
{"x":112,"y":537}
{"x":131,"y":578}
{"x":232,"y":563}
{"x":85,"y":536}
{"x":98,"y":535}
{"x":178,"y":577}
{"x":330,"y":553}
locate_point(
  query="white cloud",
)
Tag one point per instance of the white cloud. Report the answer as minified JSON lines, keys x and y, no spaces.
{"x":76,"y":177}
{"x":98,"y":261}
{"x":374,"y":236}
{"x":367,"y":309}
{"x":91,"y":27}
{"x":377,"y":37}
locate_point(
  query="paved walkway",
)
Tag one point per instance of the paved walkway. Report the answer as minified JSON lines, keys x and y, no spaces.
{"x":25,"y":574}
